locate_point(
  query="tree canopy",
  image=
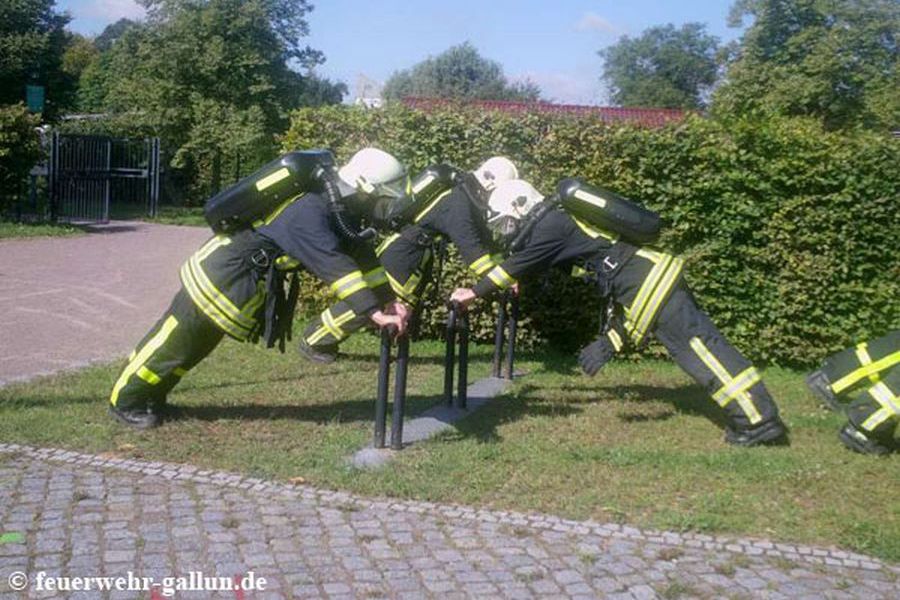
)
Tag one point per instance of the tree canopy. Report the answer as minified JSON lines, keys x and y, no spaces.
{"x":216,"y":79}
{"x":32,"y":41}
{"x":834,"y":60}
{"x":663,"y":67}
{"x":458,"y":72}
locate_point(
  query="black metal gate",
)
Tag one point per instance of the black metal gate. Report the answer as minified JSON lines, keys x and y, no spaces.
{"x":88,"y":173}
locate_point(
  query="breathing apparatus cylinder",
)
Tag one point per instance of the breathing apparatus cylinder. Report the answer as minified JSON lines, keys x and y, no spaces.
{"x":602,"y":208}
{"x":257,"y":195}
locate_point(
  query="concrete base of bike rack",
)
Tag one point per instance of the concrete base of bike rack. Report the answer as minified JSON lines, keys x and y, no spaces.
{"x":432,"y":422}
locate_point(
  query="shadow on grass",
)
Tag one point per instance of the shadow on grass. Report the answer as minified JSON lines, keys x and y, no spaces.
{"x":527,"y":402}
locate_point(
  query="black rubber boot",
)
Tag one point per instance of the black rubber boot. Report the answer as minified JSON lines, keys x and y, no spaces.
{"x":858,"y":441}
{"x":772,"y":431}
{"x":136,"y":418}
{"x":818,"y":383}
{"x":318,"y":354}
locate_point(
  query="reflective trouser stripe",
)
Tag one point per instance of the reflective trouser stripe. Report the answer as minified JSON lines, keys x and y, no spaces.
{"x":212,"y":245}
{"x":868,"y":368}
{"x":148,"y":376}
{"x":217,"y":297}
{"x":387,"y":242}
{"x":652,"y":293}
{"x":349,"y":284}
{"x":889,"y":406}
{"x":331,"y":325}
{"x":615,"y":338}
{"x":211,"y":310}
{"x":143,"y":356}
{"x":500,"y":277}
{"x":482,"y":264}
{"x":375,"y":277}
{"x":406,"y":291}
{"x":733,"y":388}
{"x":434,"y":203}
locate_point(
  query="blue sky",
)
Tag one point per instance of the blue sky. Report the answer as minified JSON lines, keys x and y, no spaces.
{"x":554,"y":44}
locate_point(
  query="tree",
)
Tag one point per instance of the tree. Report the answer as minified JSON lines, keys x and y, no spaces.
{"x":212,"y":78}
{"x":663,"y":67}
{"x":834,"y":60}
{"x":111,"y":33}
{"x":32,"y":41}
{"x":459,"y":72}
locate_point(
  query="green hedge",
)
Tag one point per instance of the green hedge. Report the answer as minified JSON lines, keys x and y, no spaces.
{"x":791,"y":233}
{"x":20,"y":150}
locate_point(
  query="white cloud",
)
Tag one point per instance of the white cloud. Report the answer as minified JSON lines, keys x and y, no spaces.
{"x":593,"y":22}
{"x":107,"y":10}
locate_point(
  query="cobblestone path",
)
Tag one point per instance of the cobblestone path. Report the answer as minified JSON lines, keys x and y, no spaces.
{"x":74,"y":515}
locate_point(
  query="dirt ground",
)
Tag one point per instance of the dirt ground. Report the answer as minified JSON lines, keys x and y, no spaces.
{"x":69,"y":301}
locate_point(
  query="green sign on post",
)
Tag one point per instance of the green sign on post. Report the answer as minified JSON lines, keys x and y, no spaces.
{"x":34,"y":97}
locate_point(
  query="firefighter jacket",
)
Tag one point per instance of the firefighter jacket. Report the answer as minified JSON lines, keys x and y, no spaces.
{"x":227,"y":277}
{"x":405,"y":255}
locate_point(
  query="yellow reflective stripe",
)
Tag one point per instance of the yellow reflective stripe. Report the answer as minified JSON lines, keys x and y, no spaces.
{"x":217,"y":297}
{"x":431,"y":205}
{"x":615,"y":338}
{"x":500,"y":277}
{"x":148,"y":376}
{"x":348,"y":284}
{"x":656,"y":300}
{"x":249,"y":309}
{"x":738,"y":386}
{"x":272,"y":178}
{"x":387,"y":242}
{"x":404,"y":291}
{"x":332,"y":327}
{"x":743,"y":382}
{"x":208,"y":308}
{"x":376,"y":277}
{"x":179,"y":372}
{"x":482,"y":264}
{"x":274,"y":214}
{"x":868,"y":370}
{"x":633,"y":313}
{"x":212,"y":245}
{"x":593,"y":232}
{"x":317,"y":335}
{"x":885,"y":397}
{"x":286,"y":263}
{"x":141,"y":357}
{"x":132,"y":355}
{"x":578,"y":271}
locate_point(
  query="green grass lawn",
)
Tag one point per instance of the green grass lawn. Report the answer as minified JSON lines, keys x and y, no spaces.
{"x":10,"y":230}
{"x":637,"y":444}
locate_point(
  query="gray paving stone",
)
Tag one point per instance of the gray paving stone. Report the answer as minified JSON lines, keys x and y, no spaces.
{"x":311,"y":543}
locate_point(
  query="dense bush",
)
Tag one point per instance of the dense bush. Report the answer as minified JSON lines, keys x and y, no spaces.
{"x":20,"y":150}
{"x":790,"y":232}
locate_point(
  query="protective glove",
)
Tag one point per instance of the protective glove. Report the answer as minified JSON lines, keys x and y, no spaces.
{"x":595,"y":355}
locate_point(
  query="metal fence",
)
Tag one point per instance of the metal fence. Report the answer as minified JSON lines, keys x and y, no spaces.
{"x":92,"y":176}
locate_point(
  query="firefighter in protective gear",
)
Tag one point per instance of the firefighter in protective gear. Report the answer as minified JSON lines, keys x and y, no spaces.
{"x":408,"y":255}
{"x":234,"y":285}
{"x":868,"y":377}
{"x":648,"y":288}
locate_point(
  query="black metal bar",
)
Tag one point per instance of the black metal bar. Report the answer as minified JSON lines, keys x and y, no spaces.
{"x":449,"y":358}
{"x":384,"y":373}
{"x":498,"y":334}
{"x":463,"y":381}
{"x":513,"y":327}
{"x":399,"y":407}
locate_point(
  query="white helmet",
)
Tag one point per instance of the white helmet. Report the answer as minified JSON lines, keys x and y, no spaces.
{"x":509,"y":203}
{"x":376,"y":173}
{"x":494,"y":171}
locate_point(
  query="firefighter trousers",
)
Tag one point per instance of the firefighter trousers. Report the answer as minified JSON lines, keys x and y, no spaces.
{"x":179,"y":340}
{"x":656,"y":299}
